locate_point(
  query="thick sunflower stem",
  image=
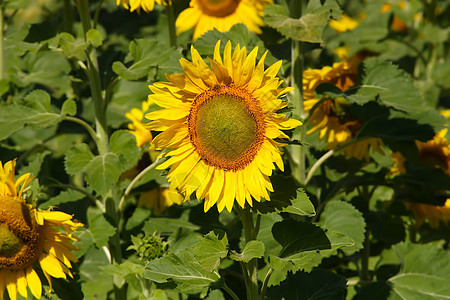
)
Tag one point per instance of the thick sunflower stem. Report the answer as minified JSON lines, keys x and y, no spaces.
{"x":94,"y":82}
{"x":250,"y":233}
{"x":297,"y":153}
{"x":2,"y":59}
{"x":68,"y":16}
{"x":171,"y":24}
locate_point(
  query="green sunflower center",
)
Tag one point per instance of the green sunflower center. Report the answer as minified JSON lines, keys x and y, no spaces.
{"x":10,"y":244}
{"x":20,"y":236}
{"x":226,"y":127}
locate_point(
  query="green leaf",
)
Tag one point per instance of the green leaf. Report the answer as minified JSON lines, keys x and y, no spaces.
{"x":182,"y":269}
{"x":63,"y":197}
{"x":424,"y":272}
{"x":344,"y":218}
{"x":72,"y":47}
{"x":148,"y":55}
{"x":99,"y":228}
{"x":309,"y":27}
{"x":35,"y":166}
{"x":103,"y":171}
{"x":94,"y":37}
{"x":253,"y":249}
{"x":286,"y":198}
{"x":95,"y":283}
{"x":124,"y":145}
{"x":77,"y":158}
{"x":124,"y":269}
{"x":211,"y":249}
{"x":35,"y":111}
{"x":319,"y":284}
{"x":167,"y":225}
{"x":69,"y":108}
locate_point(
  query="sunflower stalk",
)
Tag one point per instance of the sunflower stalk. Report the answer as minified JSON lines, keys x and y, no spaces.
{"x":94,"y":82}
{"x":297,"y":153}
{"x":171,"y":24}
{"x":250,"y":268}
{"x":2,"y":59}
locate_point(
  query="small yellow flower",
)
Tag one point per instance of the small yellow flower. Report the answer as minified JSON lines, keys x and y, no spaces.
{"x":219,"y":123}
{"x":345,"y":23}
{"x":142,"y":134}
{"x":159,"y":199}
{"x":331,"y":117}
{"x":146,"y":5}
{"x":29,"y":236}
{"x":206,"y":15}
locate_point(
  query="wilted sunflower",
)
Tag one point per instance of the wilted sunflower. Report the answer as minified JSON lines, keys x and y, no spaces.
{"x":219,"y":124}
{"x":332,"y":117}
{"x":28,"y":236}
{"x":137,"y":128}
{"x":206,"y":15}
{"x":146,"y":5}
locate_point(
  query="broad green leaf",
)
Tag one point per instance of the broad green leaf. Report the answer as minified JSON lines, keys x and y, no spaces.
{"x":182,"y":239}
{"x":211,"y":249}
{"x":72,"y":47}
{"x":35,"y":110}
{"x":69,"y":108}
{"x":286,"y":198}
{"x":307,"y":28}
{"x":95,"y":283}
{"x":99,"y":228}
{"x":77,"y":158}
{"x":34,"y":167}
{"x":423,"y":274}
{"x":124,"y":269}
{"x":253,"y":249}
{"x":182,"y":269}
{"x":138,"y":218}
{"x":343,"y":217}
{"x":124,"y":145}
{"x":271,"y":246}
{"x":148,"y":55}
{"x":103,"y":171}
{"x":167,"y":225}
{"x":94,"y":37}
{"x":63,"y":197}
{"x":318,"y":284}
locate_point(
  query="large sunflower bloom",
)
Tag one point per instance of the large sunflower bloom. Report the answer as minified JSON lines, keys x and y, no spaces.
{"x":146,"y":5}
{"x":206,"y":15}
{"x":219,"y":124}
{"x":137,"y":128}
{"x":331,"y":117}
{"x":28,"y":236}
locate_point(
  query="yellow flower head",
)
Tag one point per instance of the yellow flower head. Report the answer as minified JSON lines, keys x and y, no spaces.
{"x":432,"y":213}
{"x":142,"y":134}
{"x":146,"y":5}
{"x":345,"y":23}
{"x":28,"y":236}
{"x":206,"y":15}
{"x":159,"y":199}
{"x":331,"y":117}
{"x":219,"y":123}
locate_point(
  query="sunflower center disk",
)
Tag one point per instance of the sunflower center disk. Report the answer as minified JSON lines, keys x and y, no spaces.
{"x":226,"y":130}
{"x":20,"y":235}
{"x":219,"y":8}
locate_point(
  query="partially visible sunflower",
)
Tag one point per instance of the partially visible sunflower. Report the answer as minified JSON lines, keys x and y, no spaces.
{"x":29,"y":236}
{"x":433,"y":213}
{"x":159,"y":199}
{"x":146,"y":5}
{"x":206,"y":15}
{"x":345,"y":23}
{"x":137,"y":128}
{"x":332,"y":117}
{"x":219,"y":124}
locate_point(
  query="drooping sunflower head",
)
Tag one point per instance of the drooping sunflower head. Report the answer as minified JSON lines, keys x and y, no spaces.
{"x":206,"y":15}
{"x":137,"y":5}
{"x":218,"y":124}
{"x":28,"y":236}
{"x":332,"y":117}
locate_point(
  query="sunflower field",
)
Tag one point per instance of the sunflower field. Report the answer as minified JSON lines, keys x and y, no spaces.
{"x":224,"y":149}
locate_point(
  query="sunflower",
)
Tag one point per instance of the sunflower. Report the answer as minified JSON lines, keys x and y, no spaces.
{"x":206,"y":15}
{"x":432,"y":213}
{"x":159,"y":199}
{"x":345,"y":23}
{"x":146,"y":5}
{"x":137,"y":128}
{"x":28,"y":236}
{"x":219,"y":123}
{"x":332,"y":117}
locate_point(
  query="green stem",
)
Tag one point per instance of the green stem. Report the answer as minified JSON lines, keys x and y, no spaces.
{"x":68,"y":16}
{"x":171,"y":24}
{"x":297,"y":153}
{"x":97,"y":13}
{"x":230,"y":292}
{"x":85,"y":125}
{"x":2,"y":53}
{"x":265,"y":284}
{"x":94,"y":82}
{"x":250,"y":233}
{"x":365,"y":254}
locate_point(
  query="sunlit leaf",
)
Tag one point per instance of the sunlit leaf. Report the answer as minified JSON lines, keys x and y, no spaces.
{"x":253,"y":249}
{"x":211,"y":249}
{"x":103,"y":171}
